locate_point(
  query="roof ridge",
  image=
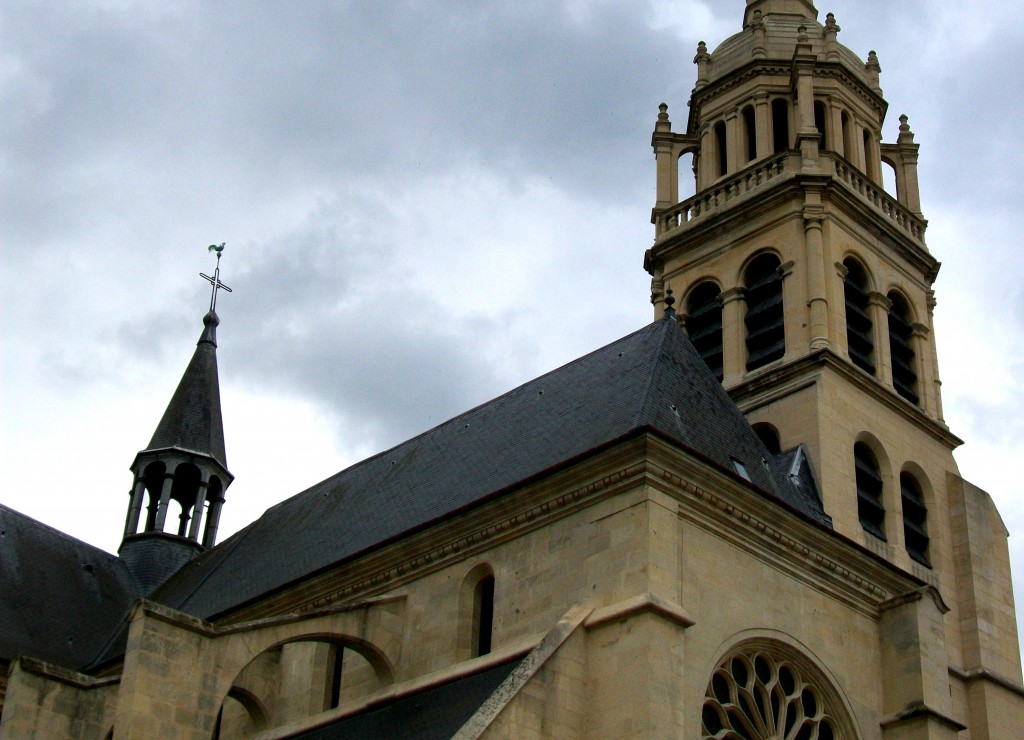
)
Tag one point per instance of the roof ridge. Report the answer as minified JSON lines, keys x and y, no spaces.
{"x":461,"y":415}
{"x":643,"y":410}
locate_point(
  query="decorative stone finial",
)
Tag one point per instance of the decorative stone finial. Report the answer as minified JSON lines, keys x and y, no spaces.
{"x":702,"y":60}
{"x":670,"y":301}
{"x":663,"y":112}
{"x":758,"y":49}
{"x":802,"y":36}
{"x":830,"y":24}
{"x":873,"y":68}
{"x":906,"y":136}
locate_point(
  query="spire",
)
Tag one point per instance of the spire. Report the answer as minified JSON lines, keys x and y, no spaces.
{"x":192,"y":420}
{"x":181,"y":476}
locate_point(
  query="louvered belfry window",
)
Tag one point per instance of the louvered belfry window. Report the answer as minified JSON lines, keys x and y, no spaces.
{"x":766,"y":335}
{"x":904,"y":379}
{"x":915,"y":519}
{"x":858,"y":323}
{"x":704,"y":325}
{"x":869,"y":490}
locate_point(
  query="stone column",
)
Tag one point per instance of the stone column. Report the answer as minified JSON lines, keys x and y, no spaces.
{"x":934,"y":359}
{"x":761,"y":123}
{"x":667,"y":165}
{"x":165,"y":497}
{"x":873,"y":153}
{"x":212,"y":523}
{"x":135,"y":507}
{"x":817,"y":300}
{"x":734,"y":351}
{"x":836,"y":134}
{"x":705,"y":173}
{"x":732,"y":140}
{"x":926,"y":383}
{"x":878,"y":311}
{"x":197,"y":509}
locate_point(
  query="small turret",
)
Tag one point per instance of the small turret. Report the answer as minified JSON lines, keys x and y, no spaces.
{"x":182,"y":474}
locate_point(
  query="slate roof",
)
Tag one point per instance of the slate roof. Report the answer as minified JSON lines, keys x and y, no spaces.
{"x":60,"y":598}
{"x":434,"y":714}
{"x":652,"y":380}
{"x":192,"y":420}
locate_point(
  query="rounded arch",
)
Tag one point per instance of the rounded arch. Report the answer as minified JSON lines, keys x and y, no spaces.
{"x":854,"y":262}
{"x":372,"y":654}
{"x":902,"y":346}
{"x":769,"y":435}
{"x":752,"y":256}
{"x":476,"y":611}
{"x":765,"y":317}
{"x":255,"y":709}
{"x":781,"y":139}
{"x":860,"y":341}
{"x":796,"y":688}
{"x":686,"y":176}
{"x":898,"y":295}
{"x":874,"y":484}
{"x":703,"y":309}
{"x":915,"y":497}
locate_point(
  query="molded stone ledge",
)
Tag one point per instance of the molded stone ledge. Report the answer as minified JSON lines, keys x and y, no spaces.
{"x":62,"y":675}
{"x":984,"y":674}
{"x":639,"y":605}
{"x":921,"y":712}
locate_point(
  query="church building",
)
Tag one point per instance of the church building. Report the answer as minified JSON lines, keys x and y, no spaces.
{"x":743,"y":520}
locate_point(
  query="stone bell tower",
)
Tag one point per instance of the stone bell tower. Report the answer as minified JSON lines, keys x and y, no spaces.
{"x":806,"y":287}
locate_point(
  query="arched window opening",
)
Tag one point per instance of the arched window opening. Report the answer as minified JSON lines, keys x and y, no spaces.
{"x":889,"y":178}
{"x":819,"y":123}
{"x":867,"y":150}
{"x":915,"y":519}
{"x":185,"y":490}
{"x":720,"y":149}
{"x":750,"y":129}
{"x":769,"y":436}
{"x":704,"y":325}
{"x":758,"y":694}
{"x":154,"y":482}
{"x":687,"y":173}
{"x":858,"y":324}
{"x":904,"y":379}
{"x":483,"y":615}
{"x":766,"y":334}
{"x":869,"y":490}
{"x":335,"y":661}
{"x":780,"y":125}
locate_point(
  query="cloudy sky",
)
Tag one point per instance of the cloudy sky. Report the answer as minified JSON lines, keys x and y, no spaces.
{"x":425,"y":204}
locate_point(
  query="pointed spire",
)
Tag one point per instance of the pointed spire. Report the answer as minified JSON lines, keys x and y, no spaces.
{"x":181,"y":476}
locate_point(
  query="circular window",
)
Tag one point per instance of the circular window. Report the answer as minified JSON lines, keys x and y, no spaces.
{"x":755,"y":696}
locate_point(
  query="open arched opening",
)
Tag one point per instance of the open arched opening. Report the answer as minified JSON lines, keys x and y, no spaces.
{"x":153,"y":478}
{"x":704,"y":324}
{"x":915,"y":518}
{"x":819,"y":123}
{"x":870,"y":507}
{"x":769,"y":436}
{"x":184,"y":491}
{"x":766,"y":333}
{"x":475,"y":632}
{"x":904,"y":376}
{"x":687,"y":175}
{"x":859,"y":336}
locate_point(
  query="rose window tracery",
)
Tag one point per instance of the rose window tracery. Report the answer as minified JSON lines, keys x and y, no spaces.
{"x":754,"y":695}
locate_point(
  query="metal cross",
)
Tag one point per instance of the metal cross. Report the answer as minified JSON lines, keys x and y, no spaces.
{"x":215,"y":280}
